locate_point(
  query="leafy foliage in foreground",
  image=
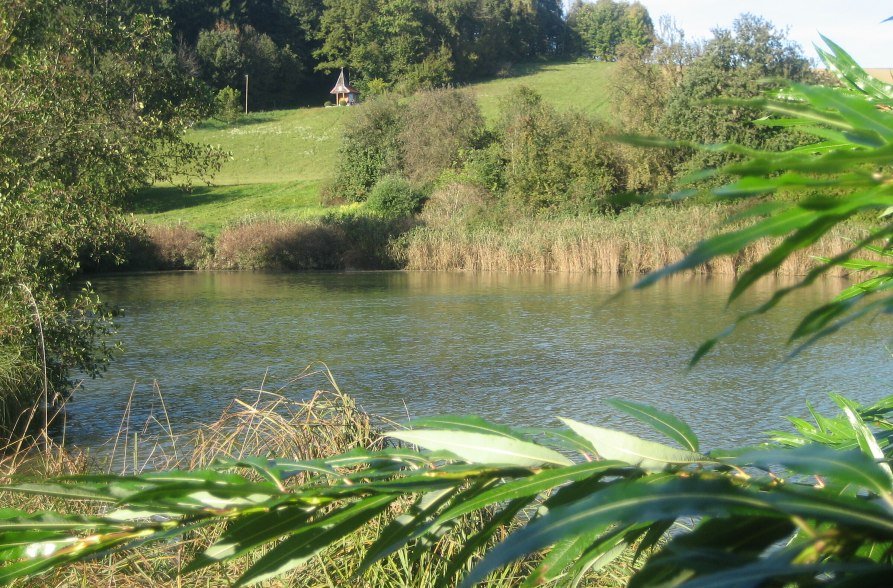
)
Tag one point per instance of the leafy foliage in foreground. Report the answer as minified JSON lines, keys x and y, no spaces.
{"x":812,"y":507}
{"x":845,"y":173}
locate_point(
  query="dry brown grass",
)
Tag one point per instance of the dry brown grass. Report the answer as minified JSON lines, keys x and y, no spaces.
{"x":177,"y":246}
{"x":278,"y":244}
{"x":327,"y":423}
{"x":634,"y":242}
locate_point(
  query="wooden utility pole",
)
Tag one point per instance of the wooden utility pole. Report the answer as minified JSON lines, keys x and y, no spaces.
{"x":246,"y":93}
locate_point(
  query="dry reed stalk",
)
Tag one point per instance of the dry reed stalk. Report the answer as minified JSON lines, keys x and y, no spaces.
{"x":327,"y":423}
{"x":631,"y":243}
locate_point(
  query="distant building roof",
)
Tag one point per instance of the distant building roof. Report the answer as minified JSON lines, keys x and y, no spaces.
{"x":341,"y":86}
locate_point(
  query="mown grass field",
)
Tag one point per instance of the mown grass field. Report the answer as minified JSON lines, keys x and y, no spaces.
{"x":210,"y":208}
{"x":584,"y":86}
{"x":280,"y":159}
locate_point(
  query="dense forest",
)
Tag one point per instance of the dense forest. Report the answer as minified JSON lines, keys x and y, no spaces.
{"x":289,"y":48}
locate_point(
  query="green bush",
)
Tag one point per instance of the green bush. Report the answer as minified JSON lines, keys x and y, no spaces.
{"x":228,"y":105}
{"x":439,"y":127}
{"x":484,"y":167}
{"x":279,"y":245}
{"x":370,"y":148}
{"x":394,"y":197}
{"x":555,"y":161}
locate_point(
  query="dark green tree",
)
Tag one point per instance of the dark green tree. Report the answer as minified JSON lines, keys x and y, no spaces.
{"x":599,"y":29}
{"x":740,"y":62}
{"x":370,"y":148}
{"x":420,"y":43}
{"x":555,"y":161}
{"x":220,"y":53}
{"x":95,"y":105}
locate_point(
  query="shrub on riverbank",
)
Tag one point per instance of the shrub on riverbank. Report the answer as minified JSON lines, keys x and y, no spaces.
{"x":462,"y":229}
{"x":166,"y":247}
{"x":342,"y":241}
{"x":278,"y":244}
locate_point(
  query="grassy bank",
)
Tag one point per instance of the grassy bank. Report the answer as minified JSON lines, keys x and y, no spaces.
{"x":327,"y":424}
{"x":210,"y":208}
{"x":583,"y":86}
{"x":637,"y":241}
{"x":280,"y":160}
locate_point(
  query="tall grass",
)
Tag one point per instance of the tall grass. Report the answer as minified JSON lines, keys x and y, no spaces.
{"x":636,"y":241}
{"x":342,"y":241}
{"x":267,"y":424}
{"x":19,"y":378}
{"x":278,"y":244}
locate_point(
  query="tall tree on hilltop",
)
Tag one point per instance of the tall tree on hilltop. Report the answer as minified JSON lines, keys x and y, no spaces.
{"x":739,"y":62}
{"x":600,"y":28}
{"x":426,"y":42}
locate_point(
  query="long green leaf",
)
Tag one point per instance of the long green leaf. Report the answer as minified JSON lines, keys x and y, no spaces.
{"x":249,"y":533}
{"x":623,"y":503}
{"x":406,"y":527}
{"x":648,"y":455}
{"x":482,"y":448}
{"x":661,"y":421}
{"x":468,"y":424}
{"x":500,"y":519}
{"x":297,"y":550}
{"x":563,"y":554}
{"x":842,"y":467}
{"x":531,"y":486}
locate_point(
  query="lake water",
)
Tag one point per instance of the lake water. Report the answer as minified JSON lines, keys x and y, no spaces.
{"x":516,"y":348}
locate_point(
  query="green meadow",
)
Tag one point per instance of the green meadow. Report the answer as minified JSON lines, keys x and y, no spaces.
{"x":280,"y":159}
{"x":584,"y":86}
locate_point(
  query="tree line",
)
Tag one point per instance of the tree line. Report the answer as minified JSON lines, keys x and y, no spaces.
{"x":290,"y":48}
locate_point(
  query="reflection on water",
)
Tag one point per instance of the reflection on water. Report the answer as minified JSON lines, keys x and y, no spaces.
{"x":517,"y":348}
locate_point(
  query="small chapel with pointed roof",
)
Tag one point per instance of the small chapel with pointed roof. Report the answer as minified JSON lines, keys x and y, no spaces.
{"x":344,"y":94}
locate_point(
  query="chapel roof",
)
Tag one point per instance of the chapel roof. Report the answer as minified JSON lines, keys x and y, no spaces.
{"x":341,"y":86}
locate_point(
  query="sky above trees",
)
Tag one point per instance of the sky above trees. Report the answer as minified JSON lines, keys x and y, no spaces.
{"x":855,"y":25}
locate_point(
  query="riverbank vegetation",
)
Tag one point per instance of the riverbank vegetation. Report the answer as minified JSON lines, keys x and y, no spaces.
{"x":326,"y":424}
{"x":526,"y":158}
{"x":807,"y":508}
{"x":94,"y":108}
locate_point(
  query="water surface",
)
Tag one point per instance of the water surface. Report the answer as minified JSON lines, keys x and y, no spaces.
{"x":517,"y":348}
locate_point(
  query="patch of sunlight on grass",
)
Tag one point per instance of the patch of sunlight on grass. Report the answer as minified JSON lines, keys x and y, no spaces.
{"x":210,"y":208}
{"x":279,"y":159}
{"x":277,"y":146}
{"x":584,"y":86}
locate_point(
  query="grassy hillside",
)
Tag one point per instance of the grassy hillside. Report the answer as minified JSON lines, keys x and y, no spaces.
{"x":582,"y":85}
{"x":280,"y":159}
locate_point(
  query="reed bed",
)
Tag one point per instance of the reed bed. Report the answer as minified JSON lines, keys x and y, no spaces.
{"x":272,"y":424}
{"x":636,"y":241}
